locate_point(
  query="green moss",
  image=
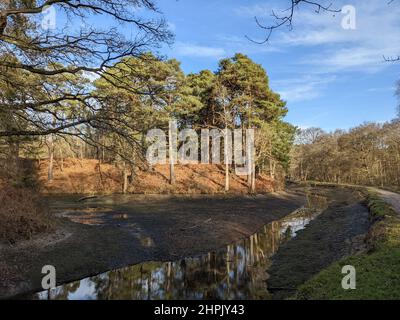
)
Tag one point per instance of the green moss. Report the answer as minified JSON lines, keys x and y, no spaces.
{"x":377,"y":272}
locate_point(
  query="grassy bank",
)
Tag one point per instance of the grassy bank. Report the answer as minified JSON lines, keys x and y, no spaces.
{"x":378,"y":269}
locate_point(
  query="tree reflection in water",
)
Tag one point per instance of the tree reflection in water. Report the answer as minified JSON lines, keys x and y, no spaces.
{"x":238,"y":271}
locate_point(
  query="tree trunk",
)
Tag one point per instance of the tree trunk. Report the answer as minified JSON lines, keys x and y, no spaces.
{"x":81,"y":150}
{"x":51,"y":158}
{"x":100,"y":174}
{"x":17,"y":151}
{"x":271,"y":170}
{"x":253,"y":178}
{"x":61,"y":160}
{"x":227,"y":186}
{"x":250,"y":164}
{"x":125,"y":179}
{"x":226,"y":158}
{"x":249,"y":176}
{"x":171,"y":135}
{"x":274,"y":169}
{"x":81,"y":153}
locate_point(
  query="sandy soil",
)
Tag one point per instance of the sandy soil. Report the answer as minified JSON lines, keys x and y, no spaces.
{"x":117,"y":231}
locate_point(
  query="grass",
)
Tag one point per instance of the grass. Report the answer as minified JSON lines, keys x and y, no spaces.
{"x":379,"y":209}
{"x":377,"y":271}
{"x":22,"y":214}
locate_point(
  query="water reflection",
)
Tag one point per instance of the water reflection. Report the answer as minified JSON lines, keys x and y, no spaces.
{"x":238,"y":271}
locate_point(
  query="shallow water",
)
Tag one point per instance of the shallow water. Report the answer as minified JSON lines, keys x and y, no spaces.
{"x":238,"y":271}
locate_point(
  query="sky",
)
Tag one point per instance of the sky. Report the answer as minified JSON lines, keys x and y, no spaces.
{"x":331,"y":77}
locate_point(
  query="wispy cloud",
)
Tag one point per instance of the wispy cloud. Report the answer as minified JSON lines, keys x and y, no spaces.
{"x":362,"y":59}
{"x":304,"y":88}
{"x":198,"y":51}
{"x":333,"y":48}
{"x":233,"y":44}
{"x":382,"y":89}
{"x":255,"y":10}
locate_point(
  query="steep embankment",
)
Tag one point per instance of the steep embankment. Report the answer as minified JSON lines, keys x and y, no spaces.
{"x":89,"y":176}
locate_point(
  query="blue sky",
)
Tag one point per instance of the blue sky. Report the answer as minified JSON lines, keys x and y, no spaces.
{"x":331,"y":77}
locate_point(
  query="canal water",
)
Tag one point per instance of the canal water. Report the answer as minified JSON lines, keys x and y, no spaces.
{"x":238,"y":271}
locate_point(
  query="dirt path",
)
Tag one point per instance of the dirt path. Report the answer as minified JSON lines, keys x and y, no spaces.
{"x":391,"y":198}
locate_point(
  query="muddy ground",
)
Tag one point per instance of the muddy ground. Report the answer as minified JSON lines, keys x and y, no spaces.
{"x":117,"y":231}
{"x":338,"y":232}
{"x":107,"y":233}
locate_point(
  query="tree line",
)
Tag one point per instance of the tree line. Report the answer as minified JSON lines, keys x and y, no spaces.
{"x":94,"y":92}
{"x":236,"y":95}
{"x":365,"y":155}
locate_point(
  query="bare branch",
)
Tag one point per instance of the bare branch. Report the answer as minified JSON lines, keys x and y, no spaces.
{"x":287,"y":16}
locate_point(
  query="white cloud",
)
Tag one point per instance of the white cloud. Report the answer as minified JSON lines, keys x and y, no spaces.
{"x":377,"y":35}
{"x":255,"y":10}
{"x":333,"y":48}
{"x":304,"y":88}
{"x":348,"y":59}
{"x":234,"y":44}
{"x":194,"y":50}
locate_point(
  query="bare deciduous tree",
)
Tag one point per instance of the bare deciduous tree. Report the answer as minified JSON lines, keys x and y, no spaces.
{"x":45,"y":72}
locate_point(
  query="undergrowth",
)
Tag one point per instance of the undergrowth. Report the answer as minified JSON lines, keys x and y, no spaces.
{"x":22,"y":214}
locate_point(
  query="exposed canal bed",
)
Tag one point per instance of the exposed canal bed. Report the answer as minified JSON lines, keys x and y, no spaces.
{"x":195,"y":240}
{"x":238,"y":271}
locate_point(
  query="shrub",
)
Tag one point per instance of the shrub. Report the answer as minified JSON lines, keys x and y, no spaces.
{"x":22,"y":214}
